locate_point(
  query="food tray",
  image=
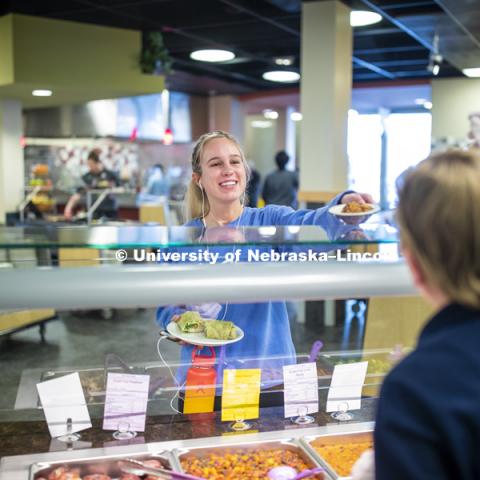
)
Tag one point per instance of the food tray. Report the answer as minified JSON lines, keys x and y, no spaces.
{"x":340,"y":440}
{"x":285,"y":448}
{"x":94,"y":465}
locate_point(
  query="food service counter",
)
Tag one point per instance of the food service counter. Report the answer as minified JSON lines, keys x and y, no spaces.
{"x":173,"y":442}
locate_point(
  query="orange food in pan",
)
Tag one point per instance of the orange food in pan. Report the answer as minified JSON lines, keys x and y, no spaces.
{"x":243,"y":464}
{"x":342,"y":456}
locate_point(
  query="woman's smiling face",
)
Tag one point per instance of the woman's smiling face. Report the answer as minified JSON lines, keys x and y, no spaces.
{"x":223,"y":176}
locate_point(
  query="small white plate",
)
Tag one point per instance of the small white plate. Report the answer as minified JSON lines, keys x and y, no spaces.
{"x":338,"y":210}
{"x":200,"y":338}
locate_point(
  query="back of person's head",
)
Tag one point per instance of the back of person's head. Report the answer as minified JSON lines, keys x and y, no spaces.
{"x":281,"y":159}
{"x":159,"y":166}
{"x":439,"y":218}
{"x":197,"y":203}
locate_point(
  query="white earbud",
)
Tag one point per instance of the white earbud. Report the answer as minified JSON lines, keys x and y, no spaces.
{"x":200,"y":185}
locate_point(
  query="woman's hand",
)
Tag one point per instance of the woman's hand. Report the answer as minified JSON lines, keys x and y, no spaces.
{"x":357,"y":197}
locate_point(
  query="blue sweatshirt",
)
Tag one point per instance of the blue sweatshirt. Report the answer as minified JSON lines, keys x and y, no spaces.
{"x":267,"y":343}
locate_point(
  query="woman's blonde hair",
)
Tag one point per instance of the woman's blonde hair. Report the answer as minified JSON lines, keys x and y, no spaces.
{"x":196,"y":200}
{"x":439,"y":218}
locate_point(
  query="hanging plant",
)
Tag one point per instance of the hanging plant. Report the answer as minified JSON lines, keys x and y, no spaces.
{"x":155,"y":58}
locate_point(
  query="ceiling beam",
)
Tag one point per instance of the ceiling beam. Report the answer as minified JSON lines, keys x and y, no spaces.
{"x":256,"y":82}
{"x":457,"y":22}
{"x":398,"y":24}
{"x":372,"y":67}
{"x":263,"y":18}
{"x":372,"y":51}
{"x":358,"y":61}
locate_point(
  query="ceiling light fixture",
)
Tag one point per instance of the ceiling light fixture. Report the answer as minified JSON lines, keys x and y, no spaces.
{"x":284,"y":61}
{"x":42,"y":93}
{"x":261,"y":124}
{"x":435,"y":58}
{"x":361,"y":18}
{"x":210,"y":55}
{"x":428,"y":105}
{"x":270,"y":114}
{"x":296,"y":116}
{"x":283,"y":76}
{"x":420,"y":101}
{"x":471,"y":72}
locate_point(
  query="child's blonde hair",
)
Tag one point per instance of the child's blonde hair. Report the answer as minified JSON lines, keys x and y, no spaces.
{"x":439,"y":217}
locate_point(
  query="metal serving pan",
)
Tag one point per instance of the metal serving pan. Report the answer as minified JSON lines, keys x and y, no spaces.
{"x":92,"y":465}
{"x":339,"y":439}
{"x":292,"y":445}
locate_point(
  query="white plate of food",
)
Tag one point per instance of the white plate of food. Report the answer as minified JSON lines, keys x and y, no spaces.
{"x":200,"y":328}
{"x":354,"y":209}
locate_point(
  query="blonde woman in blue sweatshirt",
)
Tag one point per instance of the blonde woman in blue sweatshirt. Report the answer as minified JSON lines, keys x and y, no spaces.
{"x":216,"y":198}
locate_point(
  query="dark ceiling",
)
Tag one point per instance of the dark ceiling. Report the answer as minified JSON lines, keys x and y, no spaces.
{"x":397,"y":48}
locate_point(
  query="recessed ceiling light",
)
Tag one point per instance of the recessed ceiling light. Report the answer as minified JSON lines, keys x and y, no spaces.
{"x":360,"y":18}
{"x":428,"y":105}
{"x":42,"y":93}
{"x":283,"y":76}
{"x":471,"y":72}
{"x":286,"y":61}
{"x":420,"y":101}
{"x":261,"y":124}
{"x":212,"y":55}
{"x":296,"y":116}
{"x":270,"y":114}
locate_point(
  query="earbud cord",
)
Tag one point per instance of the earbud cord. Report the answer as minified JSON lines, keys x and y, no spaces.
{"x":236,"y":228}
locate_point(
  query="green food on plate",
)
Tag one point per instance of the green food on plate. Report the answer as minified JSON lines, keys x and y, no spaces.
{"x":220,"y":330}
{"x":191,"y":322}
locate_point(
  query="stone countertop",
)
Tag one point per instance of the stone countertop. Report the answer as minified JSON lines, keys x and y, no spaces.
{"x":27,"y":437}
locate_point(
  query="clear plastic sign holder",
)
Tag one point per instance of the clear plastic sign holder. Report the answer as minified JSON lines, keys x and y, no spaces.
{"x":70,"y":436}
{"x":124,"y":431}
{"x":303,"y":417}
{"x":240,"y":424}
{"x":342,"y":414}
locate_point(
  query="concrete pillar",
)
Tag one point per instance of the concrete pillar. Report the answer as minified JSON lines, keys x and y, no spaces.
{"x":325,"y":96}
{"x":11,"y":157}
{"x":285,"y":135}
{"x":226,"y":113}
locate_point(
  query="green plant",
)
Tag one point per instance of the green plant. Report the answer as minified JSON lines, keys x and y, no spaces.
{"x":154,"y":55}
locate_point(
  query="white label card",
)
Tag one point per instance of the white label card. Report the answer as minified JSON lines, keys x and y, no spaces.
{"x":300,"y":389}
{"x":345,"y":391}
{"x":62,"y":398}
{"x":126,"y":402}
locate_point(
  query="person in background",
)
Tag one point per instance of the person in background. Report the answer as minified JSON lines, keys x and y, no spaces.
{"x":253,"y":186}
{"x":157,"y":183}
{"x":216,"y":198}
{"x":97,"y":177}
{"x":428,"y":422}
{"x":281,"y":186}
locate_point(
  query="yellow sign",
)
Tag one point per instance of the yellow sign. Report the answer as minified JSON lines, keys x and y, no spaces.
{"x":241,"y":394}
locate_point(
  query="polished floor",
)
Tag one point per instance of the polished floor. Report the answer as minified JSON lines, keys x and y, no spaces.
{"x":79,"y":340}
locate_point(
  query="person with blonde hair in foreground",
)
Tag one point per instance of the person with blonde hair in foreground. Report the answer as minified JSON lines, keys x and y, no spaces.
{"x":428,"y":418}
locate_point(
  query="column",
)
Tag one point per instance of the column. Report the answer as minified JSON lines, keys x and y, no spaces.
{"x":225,"y":113}
{"x":285,"y":135}
{"x":325,"y":97}
{"x":11,"y":157}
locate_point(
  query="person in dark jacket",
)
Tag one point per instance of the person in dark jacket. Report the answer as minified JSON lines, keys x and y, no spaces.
{"x":97,"y":177}
{"x":281,"y":186}
{"x":428,"y":418}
